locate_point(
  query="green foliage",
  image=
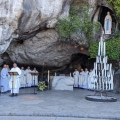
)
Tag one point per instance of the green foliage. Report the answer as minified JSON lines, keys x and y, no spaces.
{"x":116,"y":5}
{"x":112,"y":48}
{"x":93,"y":49}
{"x":77,"y":22}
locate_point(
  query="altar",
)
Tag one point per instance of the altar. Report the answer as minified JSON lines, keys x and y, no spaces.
{"x":62,"y":83}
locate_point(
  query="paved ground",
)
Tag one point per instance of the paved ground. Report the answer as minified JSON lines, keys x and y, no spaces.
{"x":43,"y":118}
{"x":54,"y":105}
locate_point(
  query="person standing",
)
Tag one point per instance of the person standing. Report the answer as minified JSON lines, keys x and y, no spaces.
{"x":8,"y":68}
{"x":4,"y":79}
{"x":91,"y":79}
{"x":35,"y":77}
{"x":15,"y":80}
{"x":28,"y":76}
{"x":23,"y":78}
{"x":81,"y":78}
{"x":76,"y":77}
{"x":85,"y":81}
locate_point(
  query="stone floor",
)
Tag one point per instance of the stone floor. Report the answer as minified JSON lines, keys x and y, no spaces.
{"x":43,"y":118}
{"x":54,"y":105}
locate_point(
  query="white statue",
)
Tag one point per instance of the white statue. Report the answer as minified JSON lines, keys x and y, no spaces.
{"x":108,"y":23}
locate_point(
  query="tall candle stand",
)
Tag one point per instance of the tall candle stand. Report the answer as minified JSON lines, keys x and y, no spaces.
{"x":103,"y":76}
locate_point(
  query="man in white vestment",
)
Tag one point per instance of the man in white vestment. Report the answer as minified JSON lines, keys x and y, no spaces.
{"x":91,"y":79}
{"x":76,"y":77}
{"x":28,"y":77}
{"x":23,"y":77}
{"x":81,"y":78}
{"x":35,"y":77}
{"x":4,"y":79}
{"x":85,"y":81}
{"x":15,"y":80}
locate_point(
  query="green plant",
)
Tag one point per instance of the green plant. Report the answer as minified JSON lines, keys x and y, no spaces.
{"x":41,"y":86}
{"x":112,"y":48}
{"x":79,"y":23}
{"x":116,"y":6}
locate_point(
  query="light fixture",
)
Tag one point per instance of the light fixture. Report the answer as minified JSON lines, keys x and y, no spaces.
{"x":75,"y":46}
{"x":82,"y":48}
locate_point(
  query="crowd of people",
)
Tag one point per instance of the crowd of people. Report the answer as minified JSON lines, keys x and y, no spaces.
{"x":13,"y":83}
{"x":24,"y":78}
{"x":84,"y":78}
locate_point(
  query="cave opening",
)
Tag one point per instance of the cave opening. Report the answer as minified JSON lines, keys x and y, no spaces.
{"x":79,"y":61}
{"x":102,"y":15}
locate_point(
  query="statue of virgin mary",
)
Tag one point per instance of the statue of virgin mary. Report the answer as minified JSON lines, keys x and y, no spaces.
{"x":108,"y":23}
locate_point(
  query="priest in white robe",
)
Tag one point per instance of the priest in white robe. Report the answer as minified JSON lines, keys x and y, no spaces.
{"x":85,"y":81}
{"x":76,"y":77}
{"x":15,"y":80}
{"x":28,"y":77}
{"x":4,"y":79}
{"x":91,"y":79}
{"x":23,"y":78}
{"x":81,"y":78}
{"x":35,"y":78}
{"x":8,"y":68}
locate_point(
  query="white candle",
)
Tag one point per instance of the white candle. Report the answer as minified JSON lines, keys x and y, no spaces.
{"x":70,"y":74}
{"x":110,"y":68}
{"x":104,"y":49}
{"x":111,"y":82}
{"x":107,"y":66}
{"x":106,"y":59}
{"x":99,"y":74}
{"x":103,"y":85}
{"x":97,"y":86}
{"x":99,"y":50}
{"x":48,"y":76}
{"x":101,"y":42}
{"x":100,"y":59}
{"x":105,"y":72}
{"x":55,"y":73}
{"x":106,"y":85}
{"x":96,"y":66}
{"x":97,"y":60}
{"x":95,"y":73}
{"x":102,"y":73}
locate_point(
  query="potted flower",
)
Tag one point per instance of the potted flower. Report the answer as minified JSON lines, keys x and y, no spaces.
{"x":41,"y":86}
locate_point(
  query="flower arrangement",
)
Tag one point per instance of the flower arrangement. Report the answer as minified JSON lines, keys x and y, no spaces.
{"x":41,"y":86}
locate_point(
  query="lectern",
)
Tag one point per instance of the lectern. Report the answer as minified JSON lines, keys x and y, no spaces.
{"x":13,"y":74}
{"x":34,"y":74}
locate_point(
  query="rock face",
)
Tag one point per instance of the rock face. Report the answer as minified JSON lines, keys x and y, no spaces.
{"x":117,"y":81}
{"x":42,"y":47}
{"x":19,"y":18}
{"x":32,"y":23}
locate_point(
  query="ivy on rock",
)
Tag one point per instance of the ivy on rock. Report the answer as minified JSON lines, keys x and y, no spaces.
{"x":78,"y":23}
{"x":112,"y":48}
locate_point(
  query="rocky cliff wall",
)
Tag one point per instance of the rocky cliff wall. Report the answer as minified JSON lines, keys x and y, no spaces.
{"x":27,"y":31}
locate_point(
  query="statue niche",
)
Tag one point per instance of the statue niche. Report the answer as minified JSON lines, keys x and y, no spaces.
{"x":108,"y":23}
